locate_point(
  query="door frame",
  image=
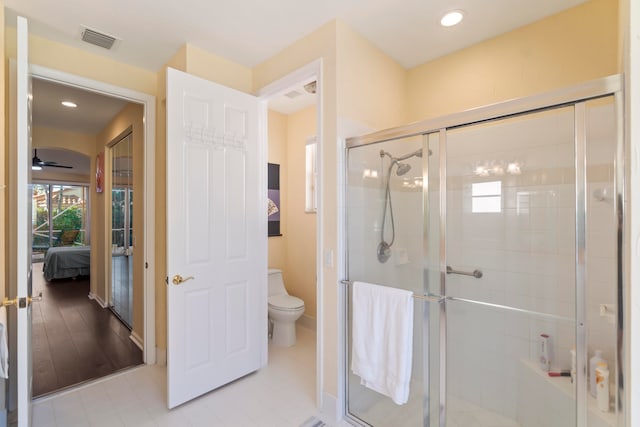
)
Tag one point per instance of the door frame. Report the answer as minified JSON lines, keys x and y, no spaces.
{"x":149,"y":119}
{"x":273,"y":90}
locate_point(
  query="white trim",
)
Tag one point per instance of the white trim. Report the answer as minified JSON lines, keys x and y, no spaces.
{"x":272,"y":90}
{"x":137,"y":340}
{"x":331,"y":408}
{"x":307,"y":322}
{"x":149,"y":122}
{"x":97,"y":299}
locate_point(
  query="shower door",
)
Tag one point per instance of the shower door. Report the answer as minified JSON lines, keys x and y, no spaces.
{"x":395,"y":218}
{"x":508,"y":233}
{"x":507,"y":209}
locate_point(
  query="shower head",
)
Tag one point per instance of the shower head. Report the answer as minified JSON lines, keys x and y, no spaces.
{"x":403,"y":168}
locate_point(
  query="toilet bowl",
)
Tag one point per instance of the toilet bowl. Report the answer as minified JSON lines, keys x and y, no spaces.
{"x":284,"y":310}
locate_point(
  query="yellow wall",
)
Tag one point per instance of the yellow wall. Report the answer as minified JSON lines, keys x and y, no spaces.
{"x":65,"y":58}
{"x":577,"y":45}
{"x":44,"y":137}
{"x":371,"y":86}
{"x":300,"y":277}
{"x":319,"y":44}
{"x":278,"y":154}
{"x":130,"y":117}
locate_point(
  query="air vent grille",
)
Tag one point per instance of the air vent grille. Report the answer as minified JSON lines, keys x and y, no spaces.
{"x":292,"y":94}
{"x":98,"y":39}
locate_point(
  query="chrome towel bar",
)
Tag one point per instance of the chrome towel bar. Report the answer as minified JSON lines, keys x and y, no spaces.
{"x":428,"y":297}
{"x":475,"y":273}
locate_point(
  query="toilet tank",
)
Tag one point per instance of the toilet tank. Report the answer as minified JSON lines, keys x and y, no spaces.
{"x":276,"y":284}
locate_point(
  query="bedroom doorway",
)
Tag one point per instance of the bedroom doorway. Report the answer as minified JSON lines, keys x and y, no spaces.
{"x":75,"y":336}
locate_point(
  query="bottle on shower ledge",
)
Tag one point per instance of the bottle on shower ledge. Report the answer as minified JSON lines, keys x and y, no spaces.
{"x":544,"y":357}
{"x":593,"y":362}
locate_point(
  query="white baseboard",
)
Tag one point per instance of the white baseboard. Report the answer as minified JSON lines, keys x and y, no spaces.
{"x":307,"y":322}
{"x":137,"y":340}
{"x":330,"y":409}
{"x":97,"y":299}
{"x":161,"y":356}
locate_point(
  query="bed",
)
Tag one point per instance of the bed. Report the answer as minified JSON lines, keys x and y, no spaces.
{"x":67,"y":261}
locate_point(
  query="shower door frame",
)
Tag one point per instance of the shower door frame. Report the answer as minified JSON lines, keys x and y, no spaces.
{"x":575,"y":96}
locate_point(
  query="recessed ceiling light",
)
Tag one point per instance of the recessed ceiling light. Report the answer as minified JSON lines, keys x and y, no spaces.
{"x":69,"y":104}
{"x":452,"y":18}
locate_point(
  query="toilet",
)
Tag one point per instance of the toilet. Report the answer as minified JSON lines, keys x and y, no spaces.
{"x":284,"y":310}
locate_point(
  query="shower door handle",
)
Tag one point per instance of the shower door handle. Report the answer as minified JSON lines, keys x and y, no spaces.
{"x":475,"y":273}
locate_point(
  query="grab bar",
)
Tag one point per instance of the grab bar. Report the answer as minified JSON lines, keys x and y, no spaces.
{"x":475,"y":273}
{"x":427,"y":297}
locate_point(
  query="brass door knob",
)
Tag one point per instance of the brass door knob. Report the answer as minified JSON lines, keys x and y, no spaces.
{"x":178,"y":279}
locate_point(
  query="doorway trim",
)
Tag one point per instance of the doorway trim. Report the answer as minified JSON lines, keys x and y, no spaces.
{"x":149,"y":119}
{"x":272,"y":90}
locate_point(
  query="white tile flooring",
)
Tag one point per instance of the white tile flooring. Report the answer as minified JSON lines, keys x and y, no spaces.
{"x":280,"y":395}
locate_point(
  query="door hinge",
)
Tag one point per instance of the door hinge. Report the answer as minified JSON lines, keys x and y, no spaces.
{"x":146,"y":264}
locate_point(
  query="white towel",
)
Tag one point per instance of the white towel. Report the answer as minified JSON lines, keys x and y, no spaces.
{"x":4,"y":347}
{"x":382,"y":339}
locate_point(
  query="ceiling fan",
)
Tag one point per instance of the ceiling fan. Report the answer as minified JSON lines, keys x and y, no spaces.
{"x":37,"y":164}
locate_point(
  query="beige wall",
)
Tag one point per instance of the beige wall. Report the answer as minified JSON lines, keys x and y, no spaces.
{"x":300,"y":277}
{"x":278,"y":143}
{"x":44,"y":137}
{"x":371,"y":86}
{"x":319,"y":44}
{"x":129,"y":118}
{"x":574,"y":46}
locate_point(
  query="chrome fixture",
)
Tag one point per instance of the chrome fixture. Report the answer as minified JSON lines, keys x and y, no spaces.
{"x":384,"y":248}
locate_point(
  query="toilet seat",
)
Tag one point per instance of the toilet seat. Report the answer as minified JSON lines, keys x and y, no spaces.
{"x":285,"y":303}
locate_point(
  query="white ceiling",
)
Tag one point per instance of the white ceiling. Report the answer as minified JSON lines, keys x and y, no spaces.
{"x":250,"y":31}
{"x":91,"y":115}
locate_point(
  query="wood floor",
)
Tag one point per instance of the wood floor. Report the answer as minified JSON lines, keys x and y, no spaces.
{"x":74,"y":339}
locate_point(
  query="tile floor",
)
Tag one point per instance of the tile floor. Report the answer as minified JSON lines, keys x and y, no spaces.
{"x":280,"y":395}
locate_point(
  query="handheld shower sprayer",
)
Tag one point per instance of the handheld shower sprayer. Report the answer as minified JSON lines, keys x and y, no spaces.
{"x":384,"y":248}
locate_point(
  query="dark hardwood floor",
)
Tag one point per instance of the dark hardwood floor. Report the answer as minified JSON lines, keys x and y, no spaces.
{"x":74,"y":339}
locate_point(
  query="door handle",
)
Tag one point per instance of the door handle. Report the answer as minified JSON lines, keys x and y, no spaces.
{"x":178,"y":279}
{"x":21,"y":302}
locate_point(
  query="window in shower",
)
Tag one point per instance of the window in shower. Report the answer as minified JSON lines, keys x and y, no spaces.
{"x":486,"y":197}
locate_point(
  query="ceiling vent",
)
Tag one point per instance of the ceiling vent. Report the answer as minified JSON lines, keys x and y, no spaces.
{"x":97,"y":38}
{"x":292,"y":94}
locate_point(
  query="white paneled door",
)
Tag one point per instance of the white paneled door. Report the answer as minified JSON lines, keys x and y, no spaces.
{"x":22,"y":211}
{"x":216,"y":236}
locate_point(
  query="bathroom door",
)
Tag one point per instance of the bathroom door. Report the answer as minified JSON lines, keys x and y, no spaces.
{"x":216,"y":236}
{"x":507,"y":195}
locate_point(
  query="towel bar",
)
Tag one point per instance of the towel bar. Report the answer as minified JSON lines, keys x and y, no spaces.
{"x":428,"y":297}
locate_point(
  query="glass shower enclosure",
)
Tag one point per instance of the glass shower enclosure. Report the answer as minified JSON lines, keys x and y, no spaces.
{"x":506,"y":229}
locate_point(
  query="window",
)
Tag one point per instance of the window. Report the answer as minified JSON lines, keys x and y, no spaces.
{"x":486,"y":197}
{"x":311,"y":175}
{"x":57,"y":209}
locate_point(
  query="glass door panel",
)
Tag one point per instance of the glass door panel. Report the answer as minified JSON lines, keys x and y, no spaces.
{"x":122,"y":230}
{"x":510,"y":214}
{"x":385,"y":247}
